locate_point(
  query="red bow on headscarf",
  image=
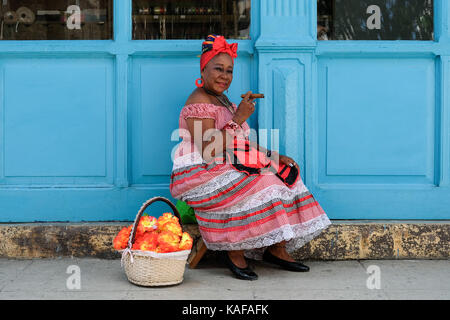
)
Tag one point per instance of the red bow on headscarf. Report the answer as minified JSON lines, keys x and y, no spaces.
{"x":219,"y":46}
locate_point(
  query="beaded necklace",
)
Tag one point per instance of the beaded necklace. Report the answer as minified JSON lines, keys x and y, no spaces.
{"x":223,"y":99}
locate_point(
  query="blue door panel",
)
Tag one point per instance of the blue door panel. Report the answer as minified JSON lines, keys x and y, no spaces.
{"x":160,"y":87}
{"x":57,"y":121}
{"x":387,"y":202}
{"x":77,"y":204}
{"x":379,"y":132}
{"x":377,"y":120}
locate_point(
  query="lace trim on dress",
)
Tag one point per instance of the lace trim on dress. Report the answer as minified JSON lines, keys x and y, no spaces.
{"x":296,"y":236}
{"x":214,"y":184}
{"x":199,"y":110}
{"x":189,"y":159}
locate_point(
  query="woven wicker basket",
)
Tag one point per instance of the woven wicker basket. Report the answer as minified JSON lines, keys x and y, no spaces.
{"x":148,"y":268}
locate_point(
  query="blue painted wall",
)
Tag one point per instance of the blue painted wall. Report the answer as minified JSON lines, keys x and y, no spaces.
{"x":85,"y":126}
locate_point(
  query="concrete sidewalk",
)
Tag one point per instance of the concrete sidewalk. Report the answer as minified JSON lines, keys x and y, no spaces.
{"x":105,"y":279}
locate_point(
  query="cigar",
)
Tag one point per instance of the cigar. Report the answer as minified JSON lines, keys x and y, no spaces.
{"x":254,"y":96}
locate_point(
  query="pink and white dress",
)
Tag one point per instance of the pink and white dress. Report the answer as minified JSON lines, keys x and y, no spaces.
{"x":237,"y":211}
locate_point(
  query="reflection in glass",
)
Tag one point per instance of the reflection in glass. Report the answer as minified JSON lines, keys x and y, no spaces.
{"x":324,"y":19}
{"x":190,"y":19}
{"x":375,"y":19}
{"x":56,"y":19}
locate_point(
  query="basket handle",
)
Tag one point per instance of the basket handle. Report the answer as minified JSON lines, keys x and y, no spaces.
{"x":141,"y":211}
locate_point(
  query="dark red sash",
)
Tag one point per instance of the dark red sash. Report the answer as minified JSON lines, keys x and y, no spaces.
{"x":246,"y":158}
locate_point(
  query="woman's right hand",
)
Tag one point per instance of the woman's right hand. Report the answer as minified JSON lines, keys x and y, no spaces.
{"x":245,"y":109}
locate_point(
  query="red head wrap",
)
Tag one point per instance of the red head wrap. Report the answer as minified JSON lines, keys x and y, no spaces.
{"x":215,"y":45}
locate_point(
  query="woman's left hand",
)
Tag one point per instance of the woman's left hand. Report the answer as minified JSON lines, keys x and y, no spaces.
{"x":289,"y":161}
{"x":279,"y":159}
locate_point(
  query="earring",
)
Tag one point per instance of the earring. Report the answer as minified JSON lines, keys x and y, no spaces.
{"x":199,"y":85}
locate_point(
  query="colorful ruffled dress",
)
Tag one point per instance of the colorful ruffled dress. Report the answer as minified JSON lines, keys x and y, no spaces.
{"x":237,"y":211}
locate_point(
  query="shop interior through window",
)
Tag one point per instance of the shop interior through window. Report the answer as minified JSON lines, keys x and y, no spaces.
{"x":375,"y":20}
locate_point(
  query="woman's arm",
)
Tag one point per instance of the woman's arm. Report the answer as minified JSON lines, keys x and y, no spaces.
{"x":207,"y":138}
{"x":275,"y":156}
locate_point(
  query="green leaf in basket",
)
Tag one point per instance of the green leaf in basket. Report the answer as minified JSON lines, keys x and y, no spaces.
{"x":145,"y":214}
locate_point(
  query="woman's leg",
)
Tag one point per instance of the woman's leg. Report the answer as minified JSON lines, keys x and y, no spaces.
{"x":237,"y":257}
{"x":277,"y":254}
{"x":235,"y":261}
{"x":279,"y":251}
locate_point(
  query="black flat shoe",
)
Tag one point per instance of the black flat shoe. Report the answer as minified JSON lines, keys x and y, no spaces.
{"x":240,"y":273}
{"x":287,"y":265}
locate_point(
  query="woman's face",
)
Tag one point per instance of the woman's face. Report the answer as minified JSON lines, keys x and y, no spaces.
{"x":218,"y":73}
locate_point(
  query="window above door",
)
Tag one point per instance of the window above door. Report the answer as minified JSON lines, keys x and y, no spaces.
{"x":193,"y":19}
{"x":375,"y":20}
{"x":56,"y":19}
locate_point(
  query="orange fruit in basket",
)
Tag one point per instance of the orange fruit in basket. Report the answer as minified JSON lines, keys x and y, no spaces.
{"x":121,"y":240}
{"x":167,"y":217}
{"x":172,"y":227}
{"x":161,"y":250}
{"x":149,"y":241}
{"x":146,"y":223}
{"x":168,"y":241}
{"x":186,"y":242}
{"x":145,"y":241}
{"x":136,"y":245}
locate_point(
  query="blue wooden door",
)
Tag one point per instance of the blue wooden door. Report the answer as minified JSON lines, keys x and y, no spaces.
{"x":87,"y":127}
{"x":367,"y":121}
{"x":379,"y":144}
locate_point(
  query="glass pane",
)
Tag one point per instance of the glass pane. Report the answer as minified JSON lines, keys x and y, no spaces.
{"x":190,"y":19}
{"x":56,"y":19}
{"x":375,"y":19}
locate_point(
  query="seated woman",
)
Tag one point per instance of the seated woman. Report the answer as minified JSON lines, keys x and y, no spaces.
{"x":253,"y":214}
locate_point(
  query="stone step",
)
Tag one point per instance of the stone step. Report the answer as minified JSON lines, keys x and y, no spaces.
{"x":343,"y":240}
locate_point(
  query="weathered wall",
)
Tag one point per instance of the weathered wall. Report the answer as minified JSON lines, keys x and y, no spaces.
{"x":343,"y":240}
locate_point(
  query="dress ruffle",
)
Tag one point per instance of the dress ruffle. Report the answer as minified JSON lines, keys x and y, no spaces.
{"x":199,"y":110}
